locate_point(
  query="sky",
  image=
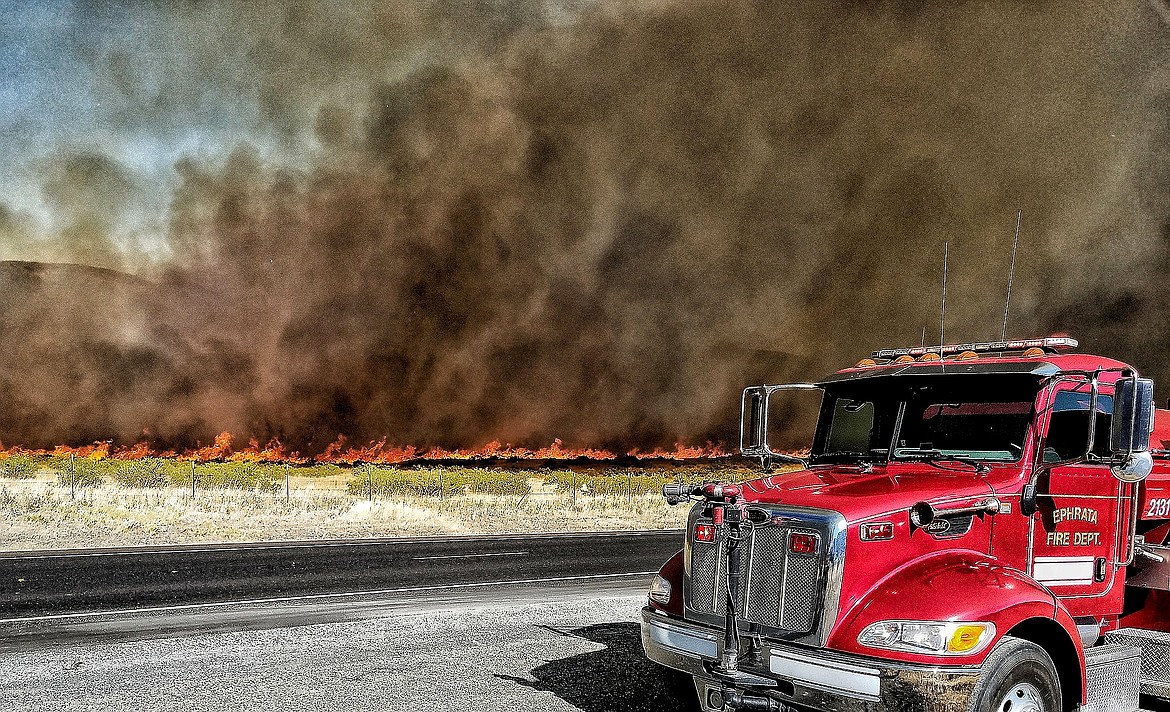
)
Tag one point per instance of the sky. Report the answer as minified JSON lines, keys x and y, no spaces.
{"x":454,"y":221}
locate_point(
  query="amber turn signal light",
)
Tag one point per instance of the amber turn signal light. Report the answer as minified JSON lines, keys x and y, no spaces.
{"x":965,"y":637}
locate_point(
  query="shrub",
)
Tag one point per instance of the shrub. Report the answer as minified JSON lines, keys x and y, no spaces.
{"x":314,"y":470}
{"x":395,"y":482}
{"x":18,"y":467}
{"x":148,"y":472}
{"x":237,"y":475}
{"x":82,"y":472}
{"x":493,"y":482}
{"x":435,"y":482}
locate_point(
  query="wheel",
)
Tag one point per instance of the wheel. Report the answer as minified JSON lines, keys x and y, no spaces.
{"x":1018,"y":676}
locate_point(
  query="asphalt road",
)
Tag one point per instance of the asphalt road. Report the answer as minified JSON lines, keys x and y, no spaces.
{"x":563,"y":647}
{"x":65,"y":583}
{"x":56,"y":631}
{"x":518,"y":623}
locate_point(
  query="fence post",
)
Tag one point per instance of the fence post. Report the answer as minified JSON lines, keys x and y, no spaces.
{"x":574,"y":473}
{"x":440,"y":483}
{"x":286,"y":483}
{"x":630,"y":486}
{"x":370,"y":480}
{"x":192,"y":479}
{"x":72,"y":476}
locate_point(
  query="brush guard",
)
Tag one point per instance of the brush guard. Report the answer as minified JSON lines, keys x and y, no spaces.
{"x":723,"y":504}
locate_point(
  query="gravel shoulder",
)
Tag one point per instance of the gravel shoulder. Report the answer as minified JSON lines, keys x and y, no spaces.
{"x":575,"y":654}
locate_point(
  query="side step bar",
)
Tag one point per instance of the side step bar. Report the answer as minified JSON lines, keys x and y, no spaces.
{"x":1154,"y":647}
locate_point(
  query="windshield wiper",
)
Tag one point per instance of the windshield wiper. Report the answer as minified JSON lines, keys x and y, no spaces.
{"x":878,"y":455}
{"x":933,"y":457}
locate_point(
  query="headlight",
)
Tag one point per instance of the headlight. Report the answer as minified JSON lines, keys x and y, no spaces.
{"x":949,"y":638}
{"x":660,"y":590}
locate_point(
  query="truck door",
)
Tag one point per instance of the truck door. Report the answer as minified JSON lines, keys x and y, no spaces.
{"x":1073,"y":533}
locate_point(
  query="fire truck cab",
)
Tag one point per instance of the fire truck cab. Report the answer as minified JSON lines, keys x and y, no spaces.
{"x":975,"y":527}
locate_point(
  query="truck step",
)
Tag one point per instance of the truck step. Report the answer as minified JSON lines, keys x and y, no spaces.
{"x":1113,"y":673}
{"x":1155,"y":657}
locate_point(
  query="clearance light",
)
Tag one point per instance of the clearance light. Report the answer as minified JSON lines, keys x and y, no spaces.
{"x":877,"y":531}
{"x":803,"y":543}
{"x":904,"y":358}
{"x":865,"y":363}
{"x":1033,"y":352}
{"x":704,"y":532}
{"x":968,"y":356}
{"x":928,"y":356}
{"x":937,"y":638}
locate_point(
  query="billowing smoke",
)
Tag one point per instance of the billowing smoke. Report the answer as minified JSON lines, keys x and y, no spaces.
{"x":596,"y":221}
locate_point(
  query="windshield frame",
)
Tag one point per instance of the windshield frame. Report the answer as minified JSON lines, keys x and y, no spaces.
{"x":901,"y":387}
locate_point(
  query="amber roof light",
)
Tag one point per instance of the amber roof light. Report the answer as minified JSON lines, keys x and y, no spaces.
{"x":1051,"y":344}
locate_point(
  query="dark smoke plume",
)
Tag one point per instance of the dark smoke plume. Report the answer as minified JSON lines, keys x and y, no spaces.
{"x":596,"y":221}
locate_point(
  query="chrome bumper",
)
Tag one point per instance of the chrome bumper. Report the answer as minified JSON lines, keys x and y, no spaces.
{"x":819,"y":679}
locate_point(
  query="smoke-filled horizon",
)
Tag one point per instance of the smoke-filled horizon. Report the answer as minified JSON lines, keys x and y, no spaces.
{"x":462,"y":221}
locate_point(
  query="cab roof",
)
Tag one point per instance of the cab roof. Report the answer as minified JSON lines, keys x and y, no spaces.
{"x":1041,"y":365}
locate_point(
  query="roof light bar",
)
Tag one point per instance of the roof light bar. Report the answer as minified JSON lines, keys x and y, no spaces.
{"x":1052,"y":343}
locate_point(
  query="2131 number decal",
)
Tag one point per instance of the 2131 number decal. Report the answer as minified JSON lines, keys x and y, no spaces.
{"x":1159,"y":509}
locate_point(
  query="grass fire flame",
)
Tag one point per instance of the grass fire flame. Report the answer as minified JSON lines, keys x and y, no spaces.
{"x":341,"y":452}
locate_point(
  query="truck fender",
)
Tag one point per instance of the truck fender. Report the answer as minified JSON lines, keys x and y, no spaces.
{"x":956,"y":585}
{"x":672,"y":571}
{"x":1059,"y":638}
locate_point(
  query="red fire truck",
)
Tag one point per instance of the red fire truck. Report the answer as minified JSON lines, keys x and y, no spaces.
{"x":975,"y":527}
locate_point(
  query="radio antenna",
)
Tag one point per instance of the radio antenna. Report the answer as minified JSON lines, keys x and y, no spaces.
{"x":1011,"y":276}
{"x":942,"y":325}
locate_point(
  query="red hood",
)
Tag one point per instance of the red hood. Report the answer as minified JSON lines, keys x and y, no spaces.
{"x":860,"y":495}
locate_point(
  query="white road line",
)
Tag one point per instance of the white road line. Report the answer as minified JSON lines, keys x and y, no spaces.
{"x":313,"y":597}
{"x":469,"y":556}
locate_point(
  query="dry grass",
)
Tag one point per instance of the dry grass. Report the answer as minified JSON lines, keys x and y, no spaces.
{"x":149,"y":504}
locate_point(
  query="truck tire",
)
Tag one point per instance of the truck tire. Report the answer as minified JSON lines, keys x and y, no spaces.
{"x":1018,"y":676}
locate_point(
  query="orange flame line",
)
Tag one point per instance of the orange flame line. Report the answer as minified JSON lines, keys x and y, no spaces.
{"x":339,"y":452}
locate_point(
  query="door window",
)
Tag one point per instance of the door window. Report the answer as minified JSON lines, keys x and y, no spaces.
{"x":1068,"y":430}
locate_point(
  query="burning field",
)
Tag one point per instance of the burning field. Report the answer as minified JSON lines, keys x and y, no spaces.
{"x":102,"y":495}
{"x":462,"y":224}
{"x":453,"y":222}
{"x":378,"y":452}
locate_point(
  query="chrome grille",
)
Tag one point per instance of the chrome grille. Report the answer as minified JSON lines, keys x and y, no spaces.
{"x":801,"y":592}
{"x":768,"y":577}
{"x":704,"y":562}
{"x":779,"y":590}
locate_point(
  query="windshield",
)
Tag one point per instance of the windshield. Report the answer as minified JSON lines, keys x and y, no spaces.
{"x":967,"y":417}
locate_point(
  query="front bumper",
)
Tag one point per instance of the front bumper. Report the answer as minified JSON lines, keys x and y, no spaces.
{"x":817,"y":679}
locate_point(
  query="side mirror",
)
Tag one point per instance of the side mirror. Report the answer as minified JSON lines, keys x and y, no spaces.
{"x":1133,"y":421}
{"x":753,"y":423}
